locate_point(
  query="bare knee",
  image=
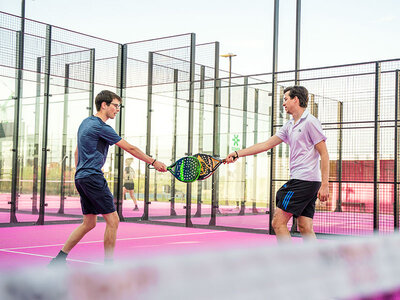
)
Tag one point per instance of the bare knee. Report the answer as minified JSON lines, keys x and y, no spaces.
{"x":112,"y":221}
{"x":306,"y":228}
{"x":277,"y":224}
{"x":88,"y":225}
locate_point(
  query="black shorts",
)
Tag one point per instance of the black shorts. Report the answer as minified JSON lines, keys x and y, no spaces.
{"x":129,"y":186}
{"x":96,"y":197}
{"x":298,"y":197}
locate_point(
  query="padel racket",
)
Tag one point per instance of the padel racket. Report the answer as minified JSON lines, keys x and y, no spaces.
{"x":208,"y":165}
{"x":186,"y":169}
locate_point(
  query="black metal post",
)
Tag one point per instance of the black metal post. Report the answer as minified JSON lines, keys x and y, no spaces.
{"x":216,"y":138}
{"x":155,"y":174}
{"x":396,"y":152}
{"x":201,"y":132}
{"x":64,"y":141}
{"x":91,"y":78}
{"x":47,"y":96}
{"x":298,"y":32}
{"x":255,"y":134}
{"x":188,"y":222}
{"x":340,"y":158}
{"x":120,"y":129}
{"x":17,"y":120}
{"x":273,"y":91}
{"x":173,"y":156}
{"x":147,"y":202}
{"x":244,"y":145}
{"x":376,"y":145}
{"x":35,"y":172}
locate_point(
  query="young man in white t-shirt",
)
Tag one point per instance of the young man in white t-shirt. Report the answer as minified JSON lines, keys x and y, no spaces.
{"x":308,"y":179}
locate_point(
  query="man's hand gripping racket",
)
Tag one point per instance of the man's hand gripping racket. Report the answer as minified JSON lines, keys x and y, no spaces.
{"x":232,"y":157}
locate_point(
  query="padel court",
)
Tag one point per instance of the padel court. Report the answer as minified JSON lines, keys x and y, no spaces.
{"x":176,"y":102}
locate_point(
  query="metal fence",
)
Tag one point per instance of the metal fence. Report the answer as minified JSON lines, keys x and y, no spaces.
{"x":177,"y":102}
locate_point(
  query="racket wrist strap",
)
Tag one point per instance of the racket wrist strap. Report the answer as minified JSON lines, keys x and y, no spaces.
{"x":153,"y":162}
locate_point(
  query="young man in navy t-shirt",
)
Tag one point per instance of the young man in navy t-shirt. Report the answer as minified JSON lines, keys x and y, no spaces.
{"x":94,"y":139}
{"x":308,"y":179}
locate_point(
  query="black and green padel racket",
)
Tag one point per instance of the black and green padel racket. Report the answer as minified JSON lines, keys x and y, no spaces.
{"x":187,"y":169}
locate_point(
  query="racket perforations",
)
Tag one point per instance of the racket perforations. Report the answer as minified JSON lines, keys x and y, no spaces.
{"x":186,"y":169}
{"x":208,"y":165}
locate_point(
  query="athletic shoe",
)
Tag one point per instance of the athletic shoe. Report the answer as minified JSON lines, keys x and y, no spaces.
{"x":56,"y":262}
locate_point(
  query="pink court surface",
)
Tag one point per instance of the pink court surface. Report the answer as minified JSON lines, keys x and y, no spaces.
{"x":28,"y":246}
{"x":346,"y":222}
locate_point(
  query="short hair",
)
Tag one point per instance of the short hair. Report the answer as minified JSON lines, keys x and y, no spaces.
{"x":300,"y":91}
{"x":107,"y":97}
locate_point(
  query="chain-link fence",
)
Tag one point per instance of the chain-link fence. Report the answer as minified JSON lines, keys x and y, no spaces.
{"x":177,"y":102}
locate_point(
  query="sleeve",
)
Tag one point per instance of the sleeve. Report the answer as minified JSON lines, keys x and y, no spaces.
{"x":282,"y":133}
{"x":315,"y":132}
{"x":109,"y":134}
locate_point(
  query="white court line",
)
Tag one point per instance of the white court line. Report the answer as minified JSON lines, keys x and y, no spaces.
{"x":47,"y":256}
{"x":179,"y":243}
{"x":125,"y":239}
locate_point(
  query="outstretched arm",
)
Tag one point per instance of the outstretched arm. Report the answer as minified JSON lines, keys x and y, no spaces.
{"x":255,"y":149}
{"x":323,"y":193}
{"x":139,"y":154}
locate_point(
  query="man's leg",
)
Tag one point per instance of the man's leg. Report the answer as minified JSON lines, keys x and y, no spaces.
{"x":306,"y":228}
{"x":279,"y":223}
{"x":89,"y":222}
{"x":110,"y":234}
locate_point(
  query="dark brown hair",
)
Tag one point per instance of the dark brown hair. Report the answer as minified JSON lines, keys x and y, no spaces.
{"x":299,"y":91}
{"x":107,"y":97}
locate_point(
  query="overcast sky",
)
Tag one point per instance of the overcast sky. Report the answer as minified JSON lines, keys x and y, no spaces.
{"x":333,"y":31}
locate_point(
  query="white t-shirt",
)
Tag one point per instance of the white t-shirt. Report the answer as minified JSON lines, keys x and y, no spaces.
{"x":302,"y":138}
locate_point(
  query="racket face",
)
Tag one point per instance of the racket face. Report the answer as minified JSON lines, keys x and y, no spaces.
{"x":186,"y":169}
{"x":208,"y":165}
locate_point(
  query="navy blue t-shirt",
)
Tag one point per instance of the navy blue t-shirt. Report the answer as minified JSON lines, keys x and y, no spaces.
{"x":94,"y":139}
